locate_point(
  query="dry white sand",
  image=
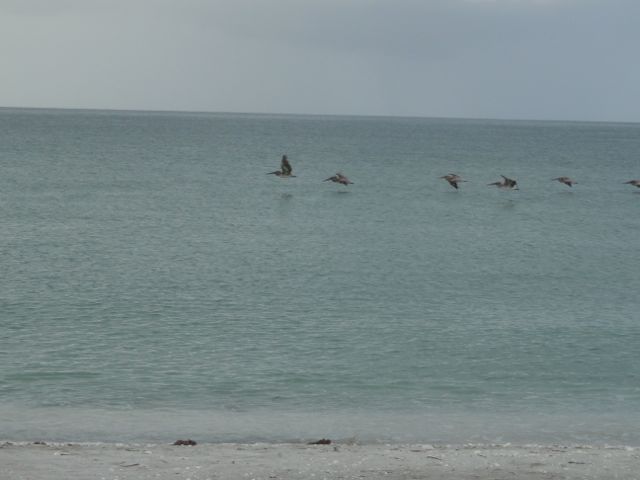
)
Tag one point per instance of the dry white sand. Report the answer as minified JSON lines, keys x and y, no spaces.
{"x":22,"y":461}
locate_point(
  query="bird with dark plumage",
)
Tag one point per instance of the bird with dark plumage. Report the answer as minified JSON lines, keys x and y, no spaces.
{"x":285,"y":169}
{"x":565,"y":180}
{"x":635,"y":183}
{"x":506,"y":183}
{"x":338,"y":178}
{"x":453,"y":179}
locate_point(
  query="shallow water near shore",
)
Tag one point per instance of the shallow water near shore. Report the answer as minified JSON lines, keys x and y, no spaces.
{"x":156,"y":283}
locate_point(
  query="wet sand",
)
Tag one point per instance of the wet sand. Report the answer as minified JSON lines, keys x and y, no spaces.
{"x":53,"y":461}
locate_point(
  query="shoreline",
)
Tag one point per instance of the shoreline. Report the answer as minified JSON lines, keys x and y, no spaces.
{"x":70,"y":461}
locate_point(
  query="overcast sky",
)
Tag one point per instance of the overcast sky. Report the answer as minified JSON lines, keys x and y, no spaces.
{"x":530,"y":59}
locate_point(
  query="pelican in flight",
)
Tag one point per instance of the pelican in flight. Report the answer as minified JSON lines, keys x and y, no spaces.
{"x":565,"y":180}
{"x":506,"y":183}
{"x":635,"y":183}
{"x":285,"y":169}
{"x":339,"y":178}
{"x":453,"y":179}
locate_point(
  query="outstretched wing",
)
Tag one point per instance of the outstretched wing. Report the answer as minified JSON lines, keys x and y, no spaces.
{"x":509,"y":182}
{"x":285,"y":166}
{"x":343,"y":179}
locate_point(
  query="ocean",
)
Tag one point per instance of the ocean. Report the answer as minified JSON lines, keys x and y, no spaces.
{"x":157,"y":284}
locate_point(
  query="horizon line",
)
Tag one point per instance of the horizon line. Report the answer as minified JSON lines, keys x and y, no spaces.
{"x":297,"y":114}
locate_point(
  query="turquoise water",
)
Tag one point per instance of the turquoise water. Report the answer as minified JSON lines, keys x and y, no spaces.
{"x":157,"y":284}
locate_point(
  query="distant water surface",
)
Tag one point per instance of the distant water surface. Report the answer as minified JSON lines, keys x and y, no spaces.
{"x":156,"y":283}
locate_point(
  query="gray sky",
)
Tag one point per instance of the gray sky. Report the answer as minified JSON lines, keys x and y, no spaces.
{"x":539,"y":59}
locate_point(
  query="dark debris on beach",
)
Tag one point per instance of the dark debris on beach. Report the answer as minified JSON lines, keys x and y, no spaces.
{"x":322,"y":441}
{"x":188,"y":442}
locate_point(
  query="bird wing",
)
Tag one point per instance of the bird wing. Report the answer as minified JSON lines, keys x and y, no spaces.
{"x":285,"y":165}
{"x":509,"y":182}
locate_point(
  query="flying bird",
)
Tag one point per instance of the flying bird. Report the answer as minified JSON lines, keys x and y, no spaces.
{"x":453,"y":179}
{"x":565,"y":180}
{"x":635,"y":183}
{"x":285,"y":169}
{"x":506,"y":183}
{"x":339,"y":178}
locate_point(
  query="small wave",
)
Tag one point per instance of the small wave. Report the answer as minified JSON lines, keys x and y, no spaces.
{"x":49,"y":375}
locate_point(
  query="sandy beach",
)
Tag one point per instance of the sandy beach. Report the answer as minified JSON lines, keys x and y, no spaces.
{"x":69,"y":461}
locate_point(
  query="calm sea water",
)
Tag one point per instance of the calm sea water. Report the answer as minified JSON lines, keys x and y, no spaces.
{"x":156,"y":284}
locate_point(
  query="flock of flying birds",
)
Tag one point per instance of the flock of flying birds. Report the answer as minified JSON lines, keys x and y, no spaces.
{"x":511,"y":184}
{"x":286,"y":172}
{"x":454,"y":179}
